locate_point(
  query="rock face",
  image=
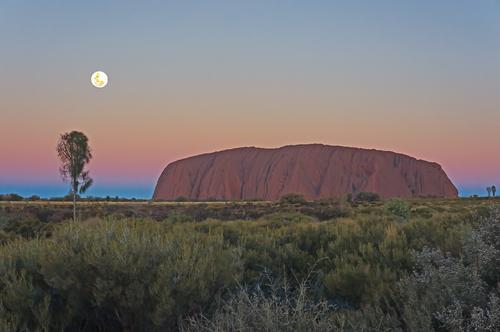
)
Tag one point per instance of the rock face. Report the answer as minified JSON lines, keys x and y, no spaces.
{"x":314,"y":170}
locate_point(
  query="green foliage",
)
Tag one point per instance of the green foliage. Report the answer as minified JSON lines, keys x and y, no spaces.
{"x":144,"y":274}
{"x":5,"y":237}
{"x":113,"y":275}
{"x":293,"y":198}
{"x":279,"y":220}
{"x":456,"y":293}
{"x":367,"y":197}
{"x":444,"y":293}
{"x":398,"y":208}
{"x":274,"y":307}
{"x":179,"y":217}
{"x":55,"y":211}
{"x":279,"y":307}
{"x":74,"y":151}
{"x":328,"y":209}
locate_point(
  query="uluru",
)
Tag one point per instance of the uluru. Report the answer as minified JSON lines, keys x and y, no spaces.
{"x":313,"y":170}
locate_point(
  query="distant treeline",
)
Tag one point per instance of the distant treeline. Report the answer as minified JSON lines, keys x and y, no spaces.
{"x":68,"y":198}
{"x":13,"y":197}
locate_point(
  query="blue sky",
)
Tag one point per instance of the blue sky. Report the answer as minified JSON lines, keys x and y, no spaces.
{"x":188,"y":77}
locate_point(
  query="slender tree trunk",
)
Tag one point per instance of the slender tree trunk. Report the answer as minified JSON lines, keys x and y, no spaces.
{"x":74,"y":204}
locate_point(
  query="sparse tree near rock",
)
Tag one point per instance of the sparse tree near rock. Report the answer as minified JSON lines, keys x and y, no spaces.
{"x":74,"y":151}
{"x":494,"y":190}
{"x":488,"y":189}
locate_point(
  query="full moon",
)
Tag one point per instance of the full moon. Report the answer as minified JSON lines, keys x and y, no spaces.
{"x":99,"y":79}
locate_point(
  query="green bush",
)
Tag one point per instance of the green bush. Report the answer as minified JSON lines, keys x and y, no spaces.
{"x":444,"y":293}
{"x":398,"y":208}
{"x":367,"y":197}
{"x":144,"y":275}
{"x":456,"y":293}
{"x":279,"y":307}
{"x":293,"y":198}
{"x":279,"y":220}
{"x":328,"y":209}
{"x":179,"y":217}
{"x":182,"y":199}
{"x":274,"y":307}
{"x":113,"y":275}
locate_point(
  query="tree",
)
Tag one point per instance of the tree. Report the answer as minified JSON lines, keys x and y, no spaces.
{"x":11,"y":197}
{"x":74,"y":151}
{"x":494,"y":190}
{"x":488,"y":189}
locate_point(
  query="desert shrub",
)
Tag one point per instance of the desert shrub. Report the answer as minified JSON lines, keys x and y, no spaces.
{"x":376,"y":251}
{"x":51,"y":212}
{"x":293,"y":198}
{"x":182,"y":199}
{"x":179,"y":217}
{"x":456,"y":293}
{"x":146,"y":275}
{"x":199,"y":212}
{"x":367,"y":197}
{"x":445,"y":293}
{"x":442,"y":231}
{"x":28,"y":228}
{"x":365,"y":261}
{"x":278,"y":220}
{"x":5,"y":237}
{"x":272,"y":307}
{"x":278,"y":306}
{"x":113,"y":275}
{"x":328,"y":209}
{"x":423,"y":212}
{"x":398,"y":208}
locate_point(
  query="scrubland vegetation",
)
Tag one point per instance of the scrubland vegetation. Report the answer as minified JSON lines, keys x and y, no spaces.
{"x":333,"y":265}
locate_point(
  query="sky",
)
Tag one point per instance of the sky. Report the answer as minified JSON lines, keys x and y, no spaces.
{"x":188,"y":77}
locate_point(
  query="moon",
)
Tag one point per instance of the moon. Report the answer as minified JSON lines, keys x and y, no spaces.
{"x":99,"y":79}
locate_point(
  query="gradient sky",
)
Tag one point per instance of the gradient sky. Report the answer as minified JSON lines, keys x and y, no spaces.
{"x":187,"y":77}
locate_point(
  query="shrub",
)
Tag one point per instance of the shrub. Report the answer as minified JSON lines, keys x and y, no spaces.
{"x":445,"y":293}
{"x":28,"y":228}
{"x":293,"y":198}
{"x":5,"y":237}
{"x":456,"y":293}
{"x":398,"y":208}
{"x":328,"y":209}
{"x":272,"y":307}
{"x":367,"y":197}
{"x":181,"y":199}
{"x":276,"y":220}
{"x":179,"y":217}
{"x":279,"y":307}
{"x":143,"y":275}
{"x":113,"y":275}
